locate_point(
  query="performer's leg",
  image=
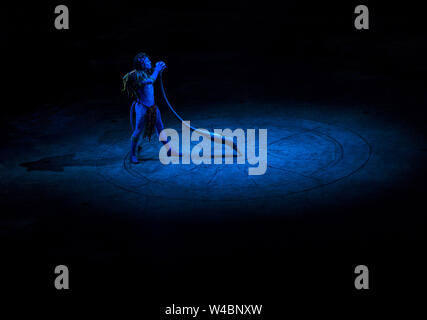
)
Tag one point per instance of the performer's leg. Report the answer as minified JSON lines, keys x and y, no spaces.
{"x":163,"y":138}
{"x":139,"y":125}
{"x":134,"y":142}
{"x":160,"y":127}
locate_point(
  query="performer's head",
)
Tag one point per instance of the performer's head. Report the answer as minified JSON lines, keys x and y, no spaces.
{"x":142,"y":62}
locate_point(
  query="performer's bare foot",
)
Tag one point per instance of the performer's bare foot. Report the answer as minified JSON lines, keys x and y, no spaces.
{"x":134,"y":159}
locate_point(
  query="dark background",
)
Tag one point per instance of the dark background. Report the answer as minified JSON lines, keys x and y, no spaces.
{"x":268,"y":50}
{"x":302,"y":44}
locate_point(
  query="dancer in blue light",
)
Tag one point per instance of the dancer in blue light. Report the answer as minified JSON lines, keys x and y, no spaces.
{"x":139,"y":85}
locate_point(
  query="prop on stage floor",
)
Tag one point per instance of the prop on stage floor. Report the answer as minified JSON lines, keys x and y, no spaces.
{"x":213,"y":136}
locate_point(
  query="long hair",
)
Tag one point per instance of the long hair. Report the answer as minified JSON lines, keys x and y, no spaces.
{"x":132,"y":79}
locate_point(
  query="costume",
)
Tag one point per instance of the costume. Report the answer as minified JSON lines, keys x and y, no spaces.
{"x":147,"y":118}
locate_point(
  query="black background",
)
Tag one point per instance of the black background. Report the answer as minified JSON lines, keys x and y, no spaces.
{"x":299,"y":45}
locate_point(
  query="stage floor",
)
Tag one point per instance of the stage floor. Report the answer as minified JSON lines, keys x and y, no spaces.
{"x":314,"y":152}
{"x":343,"y":185}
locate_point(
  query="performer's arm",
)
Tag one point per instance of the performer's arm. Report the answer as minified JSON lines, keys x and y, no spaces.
{"x":160,"y":66}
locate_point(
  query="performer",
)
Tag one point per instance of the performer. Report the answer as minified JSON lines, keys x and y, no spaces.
{"x":139,"y":85}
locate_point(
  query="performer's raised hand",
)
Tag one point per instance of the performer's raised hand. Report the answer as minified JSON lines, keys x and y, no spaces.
{"x":160,"y":66}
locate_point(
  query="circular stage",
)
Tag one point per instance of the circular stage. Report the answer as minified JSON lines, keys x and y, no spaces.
{"x":301,"y":155}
